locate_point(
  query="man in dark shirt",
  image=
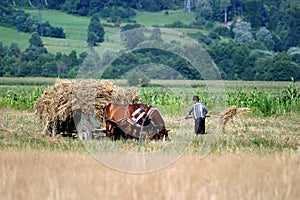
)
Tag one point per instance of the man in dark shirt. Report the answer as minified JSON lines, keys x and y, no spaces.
{"x":199,"y":112}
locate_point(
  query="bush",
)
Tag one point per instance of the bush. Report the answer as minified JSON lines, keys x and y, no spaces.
{"x":137,"y":79}
{"x":223,"y":31}
{"x":214,"y":36}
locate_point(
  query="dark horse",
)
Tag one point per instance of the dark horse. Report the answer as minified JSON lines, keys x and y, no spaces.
{"x":132,"y":119}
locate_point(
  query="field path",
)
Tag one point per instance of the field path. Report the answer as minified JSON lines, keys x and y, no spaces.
{"x":54,"y":175}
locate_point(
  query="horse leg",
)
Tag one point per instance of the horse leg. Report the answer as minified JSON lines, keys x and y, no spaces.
{"x":107,"y":129}
{"x":110,"y":131}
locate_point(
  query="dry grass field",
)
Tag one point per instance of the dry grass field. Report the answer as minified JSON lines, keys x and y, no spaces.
{"x":52,"y":175}
{"x":35,"y":167}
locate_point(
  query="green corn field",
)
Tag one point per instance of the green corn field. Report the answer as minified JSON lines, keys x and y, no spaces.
{"x":21,"y":94}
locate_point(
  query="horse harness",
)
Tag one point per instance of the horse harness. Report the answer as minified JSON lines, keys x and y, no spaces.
{"x":133,"y":120}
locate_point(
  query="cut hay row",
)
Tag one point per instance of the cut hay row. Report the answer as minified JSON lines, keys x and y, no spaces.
{"x":59,"y":103}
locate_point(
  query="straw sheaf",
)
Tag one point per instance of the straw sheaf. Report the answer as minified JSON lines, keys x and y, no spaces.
{"x":230,"y":112}
{"x":58,"y":103}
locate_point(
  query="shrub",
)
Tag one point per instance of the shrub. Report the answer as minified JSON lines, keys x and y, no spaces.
{"x":137,"y":79}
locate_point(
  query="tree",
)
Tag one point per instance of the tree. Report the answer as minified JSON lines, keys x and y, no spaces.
{"x":132,"y":38}
{"x":50,"y":31}
{"x":242,"y":33}
{"x":255,"y":13}
{"x":137,"y":78}
{"x":55,"y":4}
{"x":293,"y":21}
{"x":224,"y":4}
{"x":294,"y":52}
{"x":276,"y":68}
{"x":231,"y":59}
{"x":36,"y":40}
{"x":14,"y":50}
{"x":130,"y":26}
{"x":265,"y":37}
{"x":95,"y":31}
{"x":49,"y":69}
{"x":72,"y":58}
{"x":2,"y":51}
{"x":203,"y":11}
{"x":36,"y":44}
{"x":92,"y":39}
{"x":156,"y":34}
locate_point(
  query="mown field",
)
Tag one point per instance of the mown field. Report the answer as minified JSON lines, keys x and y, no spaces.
{"x":271,"y":126}
{"x":256,"y":155}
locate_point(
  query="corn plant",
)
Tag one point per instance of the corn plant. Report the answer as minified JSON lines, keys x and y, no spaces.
{"x":19,"y":98}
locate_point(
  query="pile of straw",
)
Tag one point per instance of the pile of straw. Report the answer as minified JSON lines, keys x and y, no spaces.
{"x":58,"y":103}
{"x":230,"y":112}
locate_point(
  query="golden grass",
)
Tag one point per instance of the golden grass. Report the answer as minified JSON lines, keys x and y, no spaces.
{"x":234,"y":170}
{"x":49,"y":175}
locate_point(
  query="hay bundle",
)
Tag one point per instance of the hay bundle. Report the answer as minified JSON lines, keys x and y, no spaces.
{"x":230,"y":112}
{"x":58,"y":103}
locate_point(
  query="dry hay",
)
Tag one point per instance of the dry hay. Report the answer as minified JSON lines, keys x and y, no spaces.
{"x":4,"y":130}
{"x":56,"y":107}
{"x":231,"y":112}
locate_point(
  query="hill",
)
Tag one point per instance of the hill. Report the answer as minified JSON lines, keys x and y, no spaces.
{"x":243,"y":48}
{"x":75,"y":28}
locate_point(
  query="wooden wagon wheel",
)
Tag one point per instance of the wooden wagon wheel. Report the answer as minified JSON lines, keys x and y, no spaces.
{"x":85,"y":133}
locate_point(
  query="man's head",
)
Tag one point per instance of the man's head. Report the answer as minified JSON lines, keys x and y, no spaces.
{"x":195,"y":98}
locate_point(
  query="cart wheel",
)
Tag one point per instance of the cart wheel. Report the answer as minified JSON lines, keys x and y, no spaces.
{"x":85,"y":133}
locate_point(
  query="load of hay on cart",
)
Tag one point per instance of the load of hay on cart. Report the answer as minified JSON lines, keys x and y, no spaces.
{"x":76,"y":107}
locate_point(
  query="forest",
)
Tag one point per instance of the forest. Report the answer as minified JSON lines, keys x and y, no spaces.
{"x":247,"y":39}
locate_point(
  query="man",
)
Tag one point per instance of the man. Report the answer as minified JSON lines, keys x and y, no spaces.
{"x":199,"y":112}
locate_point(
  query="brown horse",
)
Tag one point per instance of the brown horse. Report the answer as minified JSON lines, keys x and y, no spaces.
{"x":157,"y":124}
{"x":130,"y":120}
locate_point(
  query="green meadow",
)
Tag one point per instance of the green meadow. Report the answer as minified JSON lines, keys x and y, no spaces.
{"x":9,"y":35}
{"x":75,"y":28}
{"x":161,"y":18}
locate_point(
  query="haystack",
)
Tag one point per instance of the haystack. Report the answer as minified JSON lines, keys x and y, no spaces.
{"x":58,"y":103}
{"x":230,"y":112}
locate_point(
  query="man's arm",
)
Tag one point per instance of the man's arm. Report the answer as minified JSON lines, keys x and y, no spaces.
{"x":189,"y":112}
{"x":186,"y":116}
{"x":206,"y":111}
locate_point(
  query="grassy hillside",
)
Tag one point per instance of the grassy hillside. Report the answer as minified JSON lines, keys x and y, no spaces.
{"x":75,"y":28}
{"x":160,"y":18}
{"x":9,"y":35}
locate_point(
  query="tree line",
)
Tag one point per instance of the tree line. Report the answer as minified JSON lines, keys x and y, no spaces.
{"x":235,"y":61}
{"x":17,"y":18}
{"x":36,"y":61}
{"x":281,"y":18}
{"x":255,"y":40}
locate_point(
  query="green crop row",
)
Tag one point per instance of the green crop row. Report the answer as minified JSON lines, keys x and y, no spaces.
{"x":262,"y":102}
{"x":13,"y":81}
{"x":267,"y":103}
{"x":20,"y":98}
